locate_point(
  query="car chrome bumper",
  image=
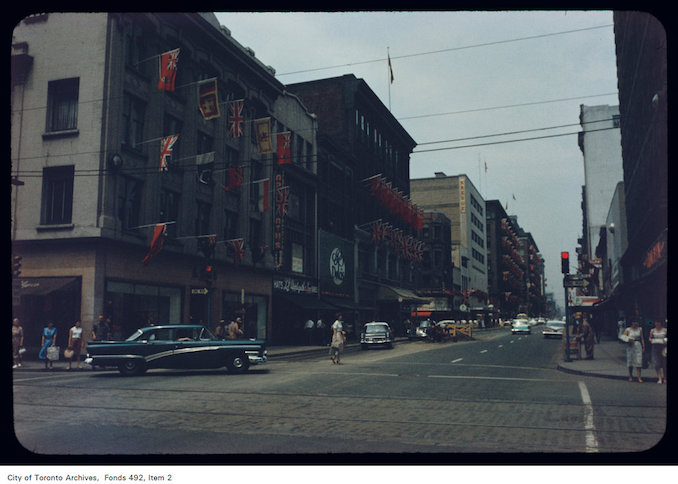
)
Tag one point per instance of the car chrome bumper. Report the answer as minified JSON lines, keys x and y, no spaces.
{"x":255,"y":359}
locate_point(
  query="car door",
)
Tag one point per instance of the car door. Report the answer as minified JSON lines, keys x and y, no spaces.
{"x":159,"y":348}
{"x":194,"y":349}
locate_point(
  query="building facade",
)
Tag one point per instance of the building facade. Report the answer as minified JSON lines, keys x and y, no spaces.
{"x":460,"y":201}
{"x":100,"y":187}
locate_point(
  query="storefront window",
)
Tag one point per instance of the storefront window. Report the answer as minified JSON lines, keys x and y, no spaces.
{"x":252,"y":312}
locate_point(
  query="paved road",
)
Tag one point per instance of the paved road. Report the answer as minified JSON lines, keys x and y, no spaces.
{"x":501,"y":393}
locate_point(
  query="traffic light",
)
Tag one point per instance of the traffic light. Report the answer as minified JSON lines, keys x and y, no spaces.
{"x":16,"y":265}
{"x":565,"y":262}
{"x":209,"y":272}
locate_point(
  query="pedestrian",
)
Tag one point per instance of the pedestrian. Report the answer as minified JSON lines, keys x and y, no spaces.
{"x":49,"y":334}
{"x":234,"y":331}
{"x":308,"y":329}
{"x":320,"y":327}
{"x":101,"y":330}
{"x":658,"y":338}
{"x":17,"y":342}
{"x":220,"y":330}
{"x":338,"y":340}
{"x":587,"y":337}
{"x":621,"y":327}
{"x":75,"y":344}
{"x":633,"y":336}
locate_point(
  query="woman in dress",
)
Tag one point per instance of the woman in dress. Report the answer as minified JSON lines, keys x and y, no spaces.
{"x":635,"y":349}
{"x":338,"y":339}
{"x":658,"y":343}
{"x":587,"y":337}
{"x":75,"y":344}
{"x":17,"y":342}
{"x":49,"y":335}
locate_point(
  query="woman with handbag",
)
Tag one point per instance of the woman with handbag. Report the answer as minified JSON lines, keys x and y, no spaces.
{"x":17,"y":342}
{"x":74,"y":345}
{"x":633,"y":337}
{"x":658,"y":344}
{"x":338,"y":339}
{"x":49,"y":335}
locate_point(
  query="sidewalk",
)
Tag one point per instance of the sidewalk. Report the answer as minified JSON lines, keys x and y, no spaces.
{"x":609,"y":362}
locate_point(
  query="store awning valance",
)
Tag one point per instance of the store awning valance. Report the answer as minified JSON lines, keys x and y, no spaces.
{"x":391,"y":293}
{"x":39,"y":286}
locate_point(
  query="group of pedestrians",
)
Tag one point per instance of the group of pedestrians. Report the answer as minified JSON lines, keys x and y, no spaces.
{"x":636,"y":348}
{"x":231,"y":331}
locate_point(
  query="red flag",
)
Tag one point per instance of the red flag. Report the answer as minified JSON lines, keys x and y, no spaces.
{"x":208,"y":100}
{"x":234,"y":178}
{"x":283,"y":148}
{"x":166,"y":146}
{"x":159,"y":234}
{"x":390,"y":68}
{"x":235,"y":118}
{"x":264,"y":190}
{"x":168,"y":70}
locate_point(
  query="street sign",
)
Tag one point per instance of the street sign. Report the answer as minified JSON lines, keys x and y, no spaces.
{"x":575,"y":280}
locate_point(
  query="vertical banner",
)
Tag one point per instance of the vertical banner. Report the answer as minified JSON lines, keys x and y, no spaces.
{"x":335,"y":266}
{"x":284,"y":149}
{"x":262,"y":129}
{"x":208,"y":99}
{"x":166,"y":146}
{"x":278,"y":223}
{"x":263,"y":195}
{"x":462,"y":195}
{"x":168,"y":70}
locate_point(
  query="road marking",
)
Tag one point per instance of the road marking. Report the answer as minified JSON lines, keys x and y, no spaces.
{"x":500,"y":346}
{"x":591,"y":441}
{"x":484,"y":351}
{"x":457,"y":360}
{"x":460,"y":377}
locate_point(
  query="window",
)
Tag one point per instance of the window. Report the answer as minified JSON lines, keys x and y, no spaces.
{"x":169,"y":210}
{"x":230,"y":224}
{"x":615,"y":120}
{"x":133,"y":112}
{"x":202,"y":219}
{"x":62,"y":104}
{"x":57,"y":195}
{"x":135,"y":49}
{"x":129,"y":202}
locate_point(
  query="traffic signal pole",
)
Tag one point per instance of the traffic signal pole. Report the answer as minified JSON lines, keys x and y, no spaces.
{"x":565,"y":269}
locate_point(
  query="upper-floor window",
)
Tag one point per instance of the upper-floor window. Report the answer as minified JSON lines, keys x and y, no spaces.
{"x":169,"y":210}
{"x":129,"y":201}
{"x":62,"y":104}
{"x":133,"y":111}
{"x":202,"y":219}
{"x":615,"y":120}
{"x":57,"y":195}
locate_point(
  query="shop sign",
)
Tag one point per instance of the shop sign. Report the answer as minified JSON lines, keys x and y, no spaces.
{"x":462,"y":195}
{"x":656,"y":254}
{"x":278,"y":220}
{"x":294,"y":286}
{"x":335,"y":268}
{"x":199,"y":290}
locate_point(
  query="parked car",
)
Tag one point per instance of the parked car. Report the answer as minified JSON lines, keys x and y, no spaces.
{"x":553,"y":328}
{"x":520,"y":326}
{"x":376,"y":334}
{"x":420,"y":331}
{"x":178,"y":346}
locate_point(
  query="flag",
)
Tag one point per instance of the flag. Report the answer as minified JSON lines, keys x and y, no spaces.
{"x":234,"y":178}
{"x":514,"y":196}
{"x":238,"y":250}
{"x":204,"y":162}
{"x":235,"y":117}
{"x":262,"y":129}
{"x":159,"y":234}
{"x":168,"y":70}
{"x":281,"y":200}
{"x":208,"y":99}
{"x":378,"y":231}
{"x":166,"y":146}
{"x":485,"y":166}
{"x":283,"y":148}
{"x":264,"y":187}
{"x":390,"y":68}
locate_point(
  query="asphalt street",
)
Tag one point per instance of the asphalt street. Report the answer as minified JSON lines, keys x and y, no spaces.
{"x":497,"y":394}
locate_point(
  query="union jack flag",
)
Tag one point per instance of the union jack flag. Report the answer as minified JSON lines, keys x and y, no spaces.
{"x":166,"y":146}
{"x":235,"y":118}
{"x":378,"y":231}
{"x":281,"y":200}
{"x":238,"y":249}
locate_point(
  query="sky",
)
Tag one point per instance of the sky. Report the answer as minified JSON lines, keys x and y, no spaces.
{"x":468,"y":75}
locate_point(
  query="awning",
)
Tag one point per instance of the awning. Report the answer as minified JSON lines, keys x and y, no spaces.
{"x":307,"y":302}
{"x":390,"y":293}
{"x":39,"y":286}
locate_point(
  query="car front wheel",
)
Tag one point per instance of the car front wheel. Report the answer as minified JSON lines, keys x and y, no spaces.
{"x":238,"y":363}
{"x":132,"y":368}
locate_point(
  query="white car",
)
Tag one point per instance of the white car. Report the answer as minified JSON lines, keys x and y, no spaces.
{"x":520,"y":326}
{"x":554,"y":328}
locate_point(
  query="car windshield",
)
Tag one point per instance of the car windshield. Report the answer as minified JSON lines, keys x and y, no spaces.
{"x":135,"y":335}
{"x":555,"y":324}
{"x":425,"y":324}
{"x":375,"y":328}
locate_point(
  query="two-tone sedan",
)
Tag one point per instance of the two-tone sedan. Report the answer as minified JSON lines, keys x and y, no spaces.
{"x":520,"y":326}
{"x":177,"y":346}
{"x":554,"y":328}
{"x":376,"y":334}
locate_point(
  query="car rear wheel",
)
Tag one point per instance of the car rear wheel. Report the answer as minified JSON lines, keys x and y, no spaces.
{"x":238,"y":363}
{"x":132,"y":368}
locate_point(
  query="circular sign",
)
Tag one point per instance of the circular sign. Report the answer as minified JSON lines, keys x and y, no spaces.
{"x":462,"y":307}
{"x":337,"y":266}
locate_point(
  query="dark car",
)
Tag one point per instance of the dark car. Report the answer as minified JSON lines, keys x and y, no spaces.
{"x":376,"y":334}
{"x":177,"y":346}
{"x":420,"y":331}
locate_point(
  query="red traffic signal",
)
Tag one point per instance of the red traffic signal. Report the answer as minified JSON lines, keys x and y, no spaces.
{"x":565,"y":262}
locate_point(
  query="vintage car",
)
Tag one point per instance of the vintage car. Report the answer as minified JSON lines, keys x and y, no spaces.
{"x":554,"y":328}
{"x":420,"y":331}
{"x":376,"y":334}
{"x":520,"y":326}
{"x":177,"y":346}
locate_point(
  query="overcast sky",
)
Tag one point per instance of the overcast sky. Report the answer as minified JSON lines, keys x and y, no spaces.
{"x":455,"y":74}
